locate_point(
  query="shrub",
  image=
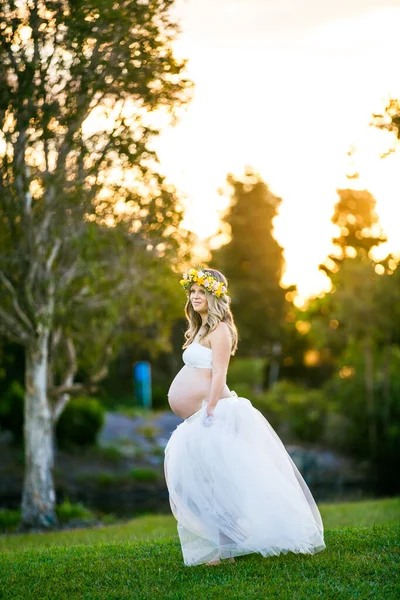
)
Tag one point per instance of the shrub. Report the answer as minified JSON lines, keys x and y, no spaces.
{"x":80,"y":422}
{"x":351,"y":431}
{"x":149,"y":431}
{"x":158,"y":451}
{"x":306,"y":413}
{"x":248,"y":371}
{"x":105,"y":480}
{"x":9,"y":519}
{"x":67,"y":511}
{"x":159,"y":395}
{"x":111,"y":453}
{"x":132,"y":412}
{"x":300,"y":412}
{"x":268,"y":405}
{"x":108,"y":480}
{"x":12,"y":410}
{"x":109,"y":519}
{"x":144,"y":474}
{"x":244,"y":390}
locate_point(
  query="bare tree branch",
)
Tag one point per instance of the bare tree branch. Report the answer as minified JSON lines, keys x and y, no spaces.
{"x":53,"y":254}
{"x":18,"y":310}
{"x":102,"y":372}
{"x":71,"y":369}
{"x":72,"y":389}
{"x":63,"y":391}
{"x":12,"y":329}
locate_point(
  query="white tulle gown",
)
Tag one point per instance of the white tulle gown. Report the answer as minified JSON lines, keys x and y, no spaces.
{"x":233,"y":487}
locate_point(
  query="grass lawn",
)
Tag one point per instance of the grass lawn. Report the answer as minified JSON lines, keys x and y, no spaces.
{"x":142,"y":560}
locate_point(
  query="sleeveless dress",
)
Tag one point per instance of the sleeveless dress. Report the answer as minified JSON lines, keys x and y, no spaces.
{"x":233,"y":488}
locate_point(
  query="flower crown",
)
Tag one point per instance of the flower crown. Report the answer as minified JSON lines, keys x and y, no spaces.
{"x":210,"y":283}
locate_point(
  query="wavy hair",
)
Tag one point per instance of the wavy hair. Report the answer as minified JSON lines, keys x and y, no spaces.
{"x":218,"y":311}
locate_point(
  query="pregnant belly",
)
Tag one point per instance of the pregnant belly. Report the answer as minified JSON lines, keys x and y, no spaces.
{"x":189,"y":388}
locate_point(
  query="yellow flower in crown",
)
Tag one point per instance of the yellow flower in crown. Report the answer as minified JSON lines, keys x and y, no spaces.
{"x":201,"y":277}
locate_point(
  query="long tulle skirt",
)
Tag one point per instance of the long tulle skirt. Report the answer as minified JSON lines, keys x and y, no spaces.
{"x":234,"y":489}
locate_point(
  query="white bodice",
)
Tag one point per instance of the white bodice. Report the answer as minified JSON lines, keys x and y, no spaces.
{"x":198,"y":356}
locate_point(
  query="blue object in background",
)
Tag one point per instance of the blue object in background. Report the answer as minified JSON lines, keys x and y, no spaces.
{"x":142,"y":383}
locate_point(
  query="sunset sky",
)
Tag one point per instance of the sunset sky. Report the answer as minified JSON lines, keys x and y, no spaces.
{"x":287,"y":87}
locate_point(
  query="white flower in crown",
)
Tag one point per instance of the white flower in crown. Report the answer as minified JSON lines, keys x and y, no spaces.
{"x":185,"y":276}
{"x":206,"y":283}
{"x":223,"y":289}
{"x":215,"y":285}
{"x":201,"y":274}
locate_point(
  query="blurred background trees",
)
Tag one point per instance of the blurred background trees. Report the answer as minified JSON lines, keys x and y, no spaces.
{"x":253,"y":262}
{"x":360,"y":319}
{"x":87,"y":224}
{"x":91,"y":245}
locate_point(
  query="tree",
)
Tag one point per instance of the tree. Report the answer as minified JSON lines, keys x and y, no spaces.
{"x":351,"y":270}
{"x":359,"y":229}
{"x":357,"y":312}
{"x":390,"y":119}
{"x":353,"y":305}
{"x":253,"y":262}
{"x":366,"y":389}
{"x":84,"y":216}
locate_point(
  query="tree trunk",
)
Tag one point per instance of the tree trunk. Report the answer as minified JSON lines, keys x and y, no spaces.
{"x":386,"y":409}
{"x":370,"y":397}
{"x":38,"y":496}
{"x":274,"y":364}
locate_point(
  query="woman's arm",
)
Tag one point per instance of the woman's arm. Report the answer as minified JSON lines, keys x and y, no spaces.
{"x":220,"y":340}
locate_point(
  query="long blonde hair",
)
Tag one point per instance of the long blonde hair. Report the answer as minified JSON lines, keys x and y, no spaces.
{"x":218,"y":311}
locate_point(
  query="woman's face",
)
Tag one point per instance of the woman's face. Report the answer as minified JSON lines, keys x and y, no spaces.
{"x":198,"y":298}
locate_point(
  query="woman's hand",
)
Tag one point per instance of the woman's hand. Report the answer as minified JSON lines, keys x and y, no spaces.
{"x":210,"y":410}
{"x":209,"y":416}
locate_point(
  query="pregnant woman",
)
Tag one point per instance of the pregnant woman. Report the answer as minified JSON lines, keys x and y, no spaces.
{"x":233,"y":488}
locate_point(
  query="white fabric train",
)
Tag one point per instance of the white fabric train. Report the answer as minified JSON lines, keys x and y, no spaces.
{"x":234,"y":489}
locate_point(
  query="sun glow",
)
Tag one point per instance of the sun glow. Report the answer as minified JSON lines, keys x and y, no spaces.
{"x":290,"y":98}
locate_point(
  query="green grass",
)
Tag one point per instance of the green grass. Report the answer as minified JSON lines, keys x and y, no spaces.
{"x":361,"y":514}
{"x":141,"y":559}
{"x":367,"y":513}
{"x":141,"y":528}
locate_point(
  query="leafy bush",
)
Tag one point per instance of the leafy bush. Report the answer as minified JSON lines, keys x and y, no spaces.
{"x":306,"y":413}
{"x":149,"y":431}
{"x":105,"y":480}
{"x":9,"y":519}
{"x":12,"y":410}
{"x":111,"y":453}
{"x":132,"y":412}
{"x":80,"y":422}
{"x":67,"y":511}
{"x":158,"y":451}
{"x":249,"y":371}
{"x":351,"y":428}
{"x":109,"y":519}
{"x":144,"y":474}
{"x":159,"y":394}
{"x":299,"y":412}
{"x":244,"y":390}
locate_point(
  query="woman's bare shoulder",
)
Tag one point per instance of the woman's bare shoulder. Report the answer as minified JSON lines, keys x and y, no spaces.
{"x":221,"y":332}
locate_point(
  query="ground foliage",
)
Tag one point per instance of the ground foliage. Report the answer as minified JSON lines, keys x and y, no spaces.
{"x":359,"y":562}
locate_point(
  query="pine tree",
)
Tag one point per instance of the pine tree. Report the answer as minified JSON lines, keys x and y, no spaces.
{"x":253,"y":262}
